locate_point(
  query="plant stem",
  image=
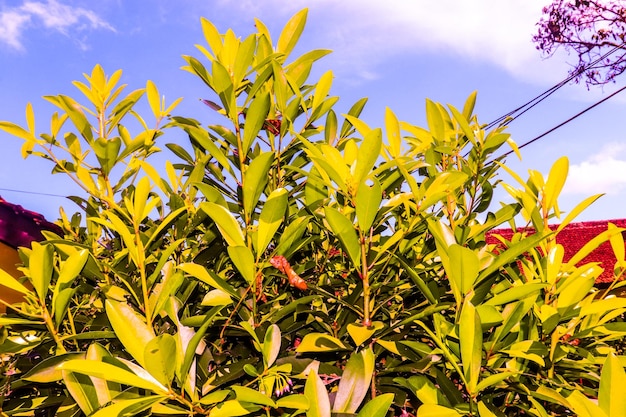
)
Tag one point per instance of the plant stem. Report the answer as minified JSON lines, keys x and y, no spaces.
{"x":367,"y":320}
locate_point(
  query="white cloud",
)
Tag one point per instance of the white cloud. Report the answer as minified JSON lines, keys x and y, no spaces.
{"x":603,"y":172}
{"x":11,"y":26}
{"x":52,"y":14}
{"x":363,"y":33}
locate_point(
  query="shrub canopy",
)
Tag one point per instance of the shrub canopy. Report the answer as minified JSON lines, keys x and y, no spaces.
{"x":291,"y":261}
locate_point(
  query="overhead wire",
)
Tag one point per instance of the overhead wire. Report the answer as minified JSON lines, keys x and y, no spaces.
{"x":580,"y":113}
{"x":514,"y":114}
{"x":32,"y":192}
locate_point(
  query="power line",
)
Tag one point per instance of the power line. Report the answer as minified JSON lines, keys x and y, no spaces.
{"x":564,"y":123}
{"x":502,"y":120}
{"x":32,"y":192}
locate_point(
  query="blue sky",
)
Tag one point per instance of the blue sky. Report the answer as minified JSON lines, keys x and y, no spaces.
{"x":396,"y":52}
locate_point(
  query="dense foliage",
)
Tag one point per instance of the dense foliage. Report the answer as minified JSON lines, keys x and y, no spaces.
{"x":295,"y":262}
{"x":593,"y":30}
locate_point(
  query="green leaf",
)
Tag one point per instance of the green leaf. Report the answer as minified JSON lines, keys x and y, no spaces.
{"x":355,"y":381}
{"x":270,"y":219}
{"x":584,"y":407}
{"x":40,"y":266}
{"x":140,"y":198}
{"x":517,"y":293}
{"x":233,"y":408}
{"x":555,"y":182}
{"x":243,"y":259}
{"x":393,"y":133}
{"x":354,"y":112}
{"x":291,"y":33}
{"x":62,"y":294}
{"x":248,"y":395}
{"x":484,"y":411}
{"x":573,"y":292}
{"x":580,"y":207}
{"x":434,"y":410}
{"x":315,"y":392}
{"x":202,"y":137}
{"x":368,"y":153}
{"x":254,"y":181}
{"x":255,"y":119}
{"x":226,"y":223}
{"x":271,"y":345}
{"x":463,"y":267}
{"x":208,"y":277}
{"x":424,"y":389}
{"x":511,"y":254}
{"x":322,"y":89}
{"x":360,"y":333}
{"x":82,"y":390}
{"x":342,"y":228}
{"x":378,"y":407}
{"x":215,"y":397}
{"x":75,"y":113}
{"x":158,"y":355}
{"x":8,"y":281}
{"x":130,"y":328}
{"x":106,"y":390}
{"x":17,"y":131}
{"x":106,"y":151}
{"x":111,"y":372}
{"x":368,"y":201}
{"x":296,"y":401}
{"x":492,"y":380}
{"x":190,"y":350}
{"x":130,"y":407}
{"x":216,"y":298}
{"x":435,"y":121}
{"x":48,"y":369}
{"x":153,"y":99}
{"x":471,"y":340}
{"x":168,"y":286}
{"x":319,"y":342}
{"x":244,"y":58}
{"x":611,"y":397}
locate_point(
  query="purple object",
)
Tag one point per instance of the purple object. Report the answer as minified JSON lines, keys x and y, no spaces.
{"x":19,"y":227}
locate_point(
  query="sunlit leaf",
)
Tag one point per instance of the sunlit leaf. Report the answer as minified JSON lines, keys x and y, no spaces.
{"x":130,"y":327}
{"x":315,"y":392}
{"x":355,"y":381}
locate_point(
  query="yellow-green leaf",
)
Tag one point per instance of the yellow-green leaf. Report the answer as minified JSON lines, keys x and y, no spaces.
{"x":434,"y":410}
{"x":611,"y":396}
{"x":342,"y":227}
{"x":159,"y":354}
{"x":319,"y":342}
{"x":315,"y":392}
{"x":40,"y":266}
{"x":368,"y":201}
{"x":130,"y":328}
{"x":243,"y":259}
{"x":226,"y":223}
{"x":255,"y":179}
{"x":291,"y":32}
{"x":471,"y":340}
{"x":270,"y":219}
{"x":355,"y":381}
{"x":111,"y":372}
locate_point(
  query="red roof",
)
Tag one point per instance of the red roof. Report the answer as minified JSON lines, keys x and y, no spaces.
{"x":573,"y":237}
{"x":19,"y":227}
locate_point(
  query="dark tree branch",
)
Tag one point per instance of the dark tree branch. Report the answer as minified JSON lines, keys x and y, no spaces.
{"x":594,"y":31}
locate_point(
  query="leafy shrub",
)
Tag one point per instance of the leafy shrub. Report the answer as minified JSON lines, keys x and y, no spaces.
{"x":296,"y":262}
